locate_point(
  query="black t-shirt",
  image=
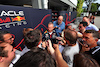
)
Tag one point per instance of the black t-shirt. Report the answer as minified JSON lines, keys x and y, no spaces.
{"x":95,"y":53}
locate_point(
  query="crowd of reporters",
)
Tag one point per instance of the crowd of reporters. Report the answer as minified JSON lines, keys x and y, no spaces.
{"x":59,"y":46}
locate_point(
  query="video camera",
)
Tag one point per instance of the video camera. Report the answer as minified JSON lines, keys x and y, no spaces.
{"x":54,"y":40}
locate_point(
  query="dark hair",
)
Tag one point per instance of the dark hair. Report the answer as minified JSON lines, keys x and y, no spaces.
{"x":92,"y":17}
{"x":84,"y":23}
{"x":84,"y":60}
{"x":3,"y":33}
{"x":25,"y":30}
{"x":50,"y":23}
{"x":94,"y":33}
{"x":37,"y":57}
{"x":70,"y":35}
{"x":32,"y":38}
{"x":86,"y":16}
{"x":3,"y":53}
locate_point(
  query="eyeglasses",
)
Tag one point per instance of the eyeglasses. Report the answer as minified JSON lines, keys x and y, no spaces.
{"x":80,"y":26}
{"x":9,"y":38}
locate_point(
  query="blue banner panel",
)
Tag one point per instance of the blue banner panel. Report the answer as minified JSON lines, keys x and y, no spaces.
{"x":14,"y":19}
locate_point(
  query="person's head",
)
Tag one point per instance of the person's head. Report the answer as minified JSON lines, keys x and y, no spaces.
{"x":25,"y":30}
{"x":5,"y":36}
{"x":50,"y":27}
{"x":7,"y":53}
{"x":71,"y":26}
{"x":82,"y":26}
{"x":92,"y":17}
{"x":33,"y":38}
{"x":86,"y":19}
{"x":36,"y":57}
{"x":60,"y":19}
{"x":84,"y":60}
{"x":70,"y":36}
{"x":91,"y":37}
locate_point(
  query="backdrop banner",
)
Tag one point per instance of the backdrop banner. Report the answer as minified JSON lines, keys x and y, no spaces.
{"x":69,"y":17}
{"x":14,"y":19}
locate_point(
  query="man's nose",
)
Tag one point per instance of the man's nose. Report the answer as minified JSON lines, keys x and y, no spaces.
{"x":12,"y":38}
{"x":14,"y":49}
{"x":83,"y":39}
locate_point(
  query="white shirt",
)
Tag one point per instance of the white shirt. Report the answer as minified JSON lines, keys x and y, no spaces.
{"x":17,"y":56}
{"x":24,"y":50}
{"x":69,"y":52}
{"x":50,"y":33}
{"x":92,"y":27}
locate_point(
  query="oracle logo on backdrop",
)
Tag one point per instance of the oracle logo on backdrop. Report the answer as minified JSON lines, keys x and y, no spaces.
{"x":14,"y":18}
{"x":12,"y":13}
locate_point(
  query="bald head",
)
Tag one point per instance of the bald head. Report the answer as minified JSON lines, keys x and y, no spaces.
{"x":60,"y":19}
{"x":70,"y":35}
{"x":85,"y":19}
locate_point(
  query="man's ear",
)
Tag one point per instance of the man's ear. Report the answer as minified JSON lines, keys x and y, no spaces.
{"x":0,"y":41}
{"x":1,"y":59}
{"x":67,"y":41}
{"x":96,"y":39}
{"x":85,"y":26}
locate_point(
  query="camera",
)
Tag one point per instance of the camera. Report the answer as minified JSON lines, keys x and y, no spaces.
{"x":54,"y":40}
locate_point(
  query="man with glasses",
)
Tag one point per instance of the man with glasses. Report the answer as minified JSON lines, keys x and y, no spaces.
{"x":82,"y":27}
{"x":90,"y":38}
{"x":5,"y":36}
{"x":59,"y":25}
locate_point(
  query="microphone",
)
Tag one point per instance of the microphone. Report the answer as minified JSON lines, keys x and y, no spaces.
{"x":47,"y":37}
{"x":54,"y":37}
